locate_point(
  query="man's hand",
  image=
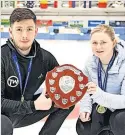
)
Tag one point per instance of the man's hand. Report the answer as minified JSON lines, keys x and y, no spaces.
{"x":84,"y":116}
{"x":42,"y":102}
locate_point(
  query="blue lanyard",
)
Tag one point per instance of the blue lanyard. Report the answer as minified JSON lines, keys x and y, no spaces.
{"x":19,"y":74}
{"x":103,"y":87}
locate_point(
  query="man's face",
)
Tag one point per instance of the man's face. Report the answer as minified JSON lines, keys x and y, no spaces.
{"x":23,"y":33}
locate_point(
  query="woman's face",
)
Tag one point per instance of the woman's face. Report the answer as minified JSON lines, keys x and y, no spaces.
{"x":102,"y":45}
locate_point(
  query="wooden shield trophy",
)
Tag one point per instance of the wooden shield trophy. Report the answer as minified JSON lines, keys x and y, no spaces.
{"x":66,"y":85}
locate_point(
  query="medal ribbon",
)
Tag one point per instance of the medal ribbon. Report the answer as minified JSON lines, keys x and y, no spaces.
{"x":99,"y":108}
{"x":14,"y":56}
{"x":103,"y":87}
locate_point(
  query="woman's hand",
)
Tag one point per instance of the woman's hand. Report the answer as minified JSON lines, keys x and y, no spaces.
{"x":92,"y":87}
{"x":84,"y":116}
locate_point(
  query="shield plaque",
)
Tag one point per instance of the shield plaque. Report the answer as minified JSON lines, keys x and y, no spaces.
{"x":66,"y":85}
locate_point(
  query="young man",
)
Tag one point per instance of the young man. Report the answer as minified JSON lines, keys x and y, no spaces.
{"x":23,"y":70}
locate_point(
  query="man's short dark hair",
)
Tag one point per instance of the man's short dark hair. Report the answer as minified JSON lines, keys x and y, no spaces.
{"x":20,"y":14}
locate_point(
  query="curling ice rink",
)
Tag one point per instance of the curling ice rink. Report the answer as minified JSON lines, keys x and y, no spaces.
{"x":66,"y":52}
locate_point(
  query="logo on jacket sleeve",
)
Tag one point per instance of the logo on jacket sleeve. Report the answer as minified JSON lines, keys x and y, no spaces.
{"x":12,"y":81}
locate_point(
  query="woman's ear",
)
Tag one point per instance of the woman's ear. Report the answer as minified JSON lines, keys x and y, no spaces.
{"x":115,"y":41}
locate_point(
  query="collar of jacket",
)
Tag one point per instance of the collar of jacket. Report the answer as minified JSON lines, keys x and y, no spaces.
{"x":33,"y":50}
{"x":120,"y":48}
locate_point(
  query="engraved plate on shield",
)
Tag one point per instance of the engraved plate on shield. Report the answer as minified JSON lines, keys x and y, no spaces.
{"x":66,"y":84}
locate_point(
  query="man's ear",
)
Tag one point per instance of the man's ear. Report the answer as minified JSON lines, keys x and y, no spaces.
{"x":36,"y":30}
{"x":10,"y":32}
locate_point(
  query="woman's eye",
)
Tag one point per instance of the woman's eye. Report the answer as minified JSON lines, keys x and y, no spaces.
{"x":103,"y":42}
{"x":94,"y":43}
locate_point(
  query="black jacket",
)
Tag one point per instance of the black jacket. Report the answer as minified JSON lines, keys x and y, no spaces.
{"x":43,"y":61}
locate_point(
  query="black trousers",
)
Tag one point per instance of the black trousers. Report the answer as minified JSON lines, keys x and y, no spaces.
{"x":6,"y":126}
{"x":109,"y":123}
{"x":51,"y":126}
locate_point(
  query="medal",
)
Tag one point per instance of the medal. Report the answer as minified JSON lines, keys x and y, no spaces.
{"x":22,"y":98}
{"x":101,"y":109}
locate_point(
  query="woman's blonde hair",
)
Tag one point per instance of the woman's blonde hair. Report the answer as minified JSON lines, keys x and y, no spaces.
{"x":106,"y":29}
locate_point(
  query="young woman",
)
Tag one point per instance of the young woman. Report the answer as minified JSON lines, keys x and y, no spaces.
{"x":102,"y":109}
